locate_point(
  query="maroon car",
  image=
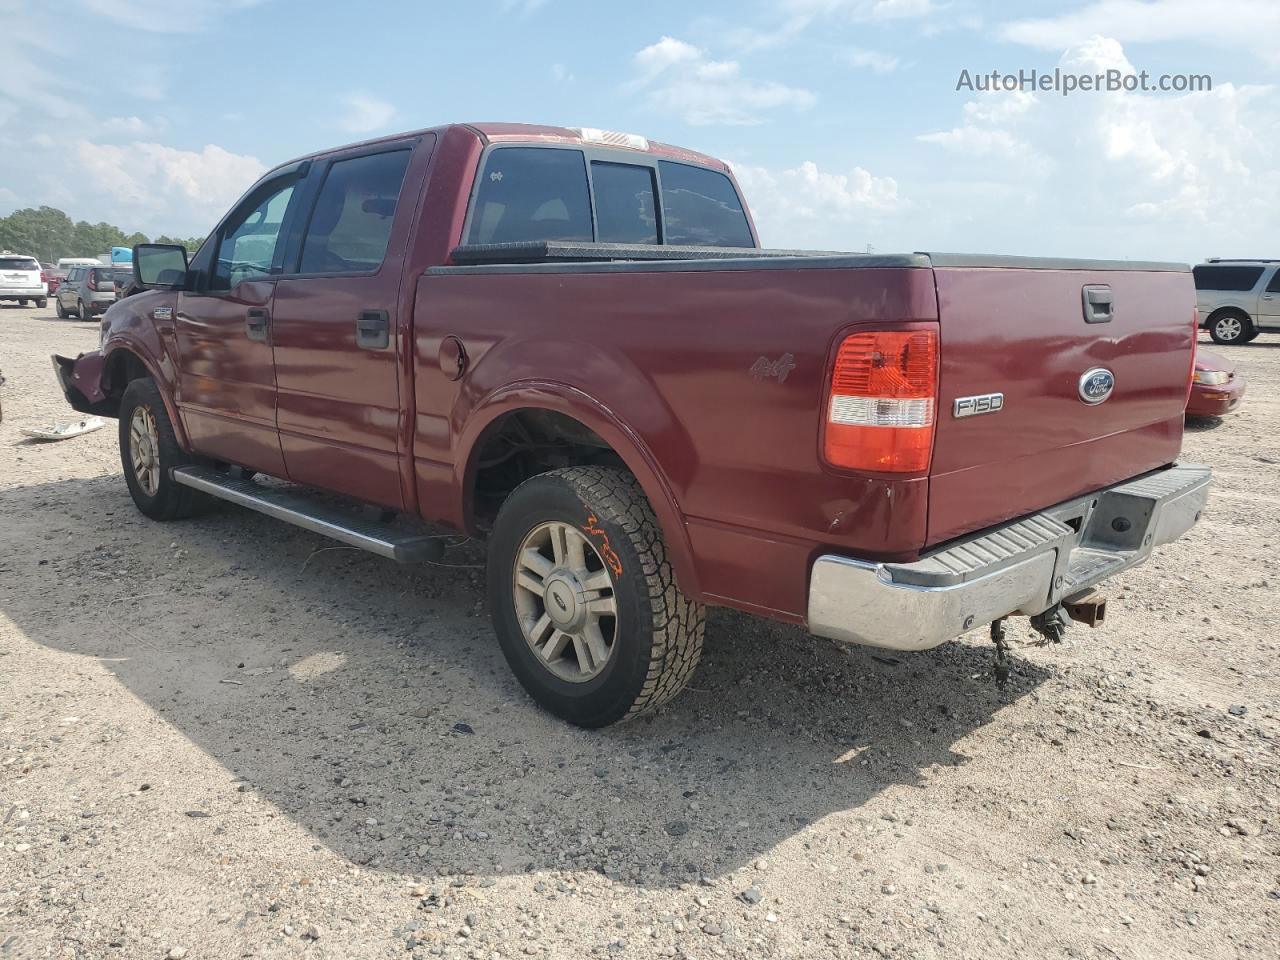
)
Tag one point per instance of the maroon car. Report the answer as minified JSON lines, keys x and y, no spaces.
{"x":1216,"y":387}
{"x":569,"y":342}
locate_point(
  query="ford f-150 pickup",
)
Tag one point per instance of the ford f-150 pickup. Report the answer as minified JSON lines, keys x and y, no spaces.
{"x":569,"y":342}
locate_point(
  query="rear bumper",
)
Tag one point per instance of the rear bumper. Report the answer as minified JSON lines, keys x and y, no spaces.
{"x":16,"y":293}
{"x":1022,"y":567}
{"x":1209,"y":401}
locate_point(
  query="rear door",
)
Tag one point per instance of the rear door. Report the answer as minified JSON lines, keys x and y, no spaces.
{"x":1269,"y":302}
{"x":1035,"y":336}
{"x":337,"y":323}
{"x":227,"y":389}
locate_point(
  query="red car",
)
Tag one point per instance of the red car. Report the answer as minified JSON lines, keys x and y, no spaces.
{"x":1216,"y":388}
{"x":570,"y":342}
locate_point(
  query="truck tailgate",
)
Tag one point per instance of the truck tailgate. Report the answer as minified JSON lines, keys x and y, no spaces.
{"x":1019,"y":328}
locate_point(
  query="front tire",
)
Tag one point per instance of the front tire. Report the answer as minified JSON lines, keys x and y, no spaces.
{"x":1231,"y":328}
{"x":584,"y":601}
{"x":148,"y":451}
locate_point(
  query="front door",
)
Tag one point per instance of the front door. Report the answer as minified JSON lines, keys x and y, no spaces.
{"x":227,"y":388}
{"x":335,"y":325}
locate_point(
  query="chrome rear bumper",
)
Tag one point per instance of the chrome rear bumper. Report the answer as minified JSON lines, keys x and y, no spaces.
{"x":1023,"y":567}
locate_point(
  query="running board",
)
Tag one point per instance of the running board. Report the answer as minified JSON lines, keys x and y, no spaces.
{"x":301,"y":512}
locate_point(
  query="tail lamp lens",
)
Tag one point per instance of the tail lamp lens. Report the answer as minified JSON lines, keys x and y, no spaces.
{"x":882,"y":406}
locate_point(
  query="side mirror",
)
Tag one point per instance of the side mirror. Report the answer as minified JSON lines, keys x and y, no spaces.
{"x":162,"y":265}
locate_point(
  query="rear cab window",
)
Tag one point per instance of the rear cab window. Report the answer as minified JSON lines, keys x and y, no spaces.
{"x":550,"y":193}
{"x":1226,"y":278}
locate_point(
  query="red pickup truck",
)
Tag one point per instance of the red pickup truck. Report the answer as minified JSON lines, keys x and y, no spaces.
{"x":569,"y":342}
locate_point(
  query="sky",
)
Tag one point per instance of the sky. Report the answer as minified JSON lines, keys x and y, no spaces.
{"x":841,"y":118}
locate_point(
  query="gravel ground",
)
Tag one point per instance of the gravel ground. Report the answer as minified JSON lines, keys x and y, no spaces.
{"x":217,"y":742}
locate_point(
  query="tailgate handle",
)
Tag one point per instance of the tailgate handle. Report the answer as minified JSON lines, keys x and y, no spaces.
{"x":1099,"y":306}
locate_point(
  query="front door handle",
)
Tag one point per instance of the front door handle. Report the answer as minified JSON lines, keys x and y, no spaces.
{"x":373,"y":330}
{"x":257,"y":322}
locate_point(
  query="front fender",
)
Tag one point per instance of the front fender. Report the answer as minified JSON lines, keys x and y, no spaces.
{"x":592,"y":413}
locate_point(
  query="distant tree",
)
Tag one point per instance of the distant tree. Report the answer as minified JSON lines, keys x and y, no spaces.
{"x":49,"y":234}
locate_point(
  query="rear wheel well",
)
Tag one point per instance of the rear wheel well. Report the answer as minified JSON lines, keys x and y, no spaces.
{"x":1227,"y":311}
{"x":522,"y":444}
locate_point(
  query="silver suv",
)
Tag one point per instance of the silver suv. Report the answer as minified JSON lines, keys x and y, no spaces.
{"x":86,"y":291}
{"x":1238,"y":299}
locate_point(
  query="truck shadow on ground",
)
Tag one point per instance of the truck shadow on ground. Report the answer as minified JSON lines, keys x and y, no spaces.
{"x":343,"y":689}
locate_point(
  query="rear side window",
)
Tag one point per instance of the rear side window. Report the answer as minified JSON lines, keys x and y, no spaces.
{"x":701,"y":208}
{"x":351,"y":224}
{"x":1274,"y":285}
{"x":1236,"y":279}
{"x":626,"y":211}
{"x":531,"y":193}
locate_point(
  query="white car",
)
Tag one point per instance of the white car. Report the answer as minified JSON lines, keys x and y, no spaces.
{"x":21,"y":280}
{"x":1238,"y":299}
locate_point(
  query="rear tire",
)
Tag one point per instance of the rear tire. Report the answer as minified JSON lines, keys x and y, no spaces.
{"x":148,"y":451}
{"x":41,"y":303}
{"x":59,"y":309}
{"x":1231,"y":327}
{"x":587,"y":536}
{"x":22,"y":303}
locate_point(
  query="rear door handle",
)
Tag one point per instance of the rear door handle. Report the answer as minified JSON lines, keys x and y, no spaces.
{"x":373,"y":330}
{"x":257,"y":323}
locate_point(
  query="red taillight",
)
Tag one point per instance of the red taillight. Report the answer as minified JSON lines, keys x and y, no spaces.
{"x":92,"y":281}
{"x":881,"y":407}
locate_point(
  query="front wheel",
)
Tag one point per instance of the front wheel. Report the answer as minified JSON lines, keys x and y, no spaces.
{"x":1231,"y":328}
{"x":583,"y":598}
{"x":148,"y":451}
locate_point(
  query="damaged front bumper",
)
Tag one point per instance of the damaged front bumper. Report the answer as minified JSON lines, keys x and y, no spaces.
{"x":1022,"y":567}
{"x":81,"y":380}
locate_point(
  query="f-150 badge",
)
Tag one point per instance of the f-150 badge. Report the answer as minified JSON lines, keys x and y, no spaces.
{"x":972,"y":406}
{"x":764,"y":368}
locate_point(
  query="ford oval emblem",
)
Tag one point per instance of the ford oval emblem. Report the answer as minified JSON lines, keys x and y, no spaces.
{"x":1096,"y":385}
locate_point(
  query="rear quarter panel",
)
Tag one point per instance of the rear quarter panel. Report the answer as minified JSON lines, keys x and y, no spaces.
{"x":670,"y":353}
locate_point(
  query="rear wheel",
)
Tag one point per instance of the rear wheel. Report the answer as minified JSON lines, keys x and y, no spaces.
{"x":583,"y":599}
{"x":1231,"y":327}
{"x":21,"y":302}
{"x":59,"y":309}
{"x":42,"y":303}
{"x":148,"y":451}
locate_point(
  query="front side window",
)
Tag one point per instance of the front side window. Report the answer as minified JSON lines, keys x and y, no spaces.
{"x":626,"y":211}
{"x":251,"y":239}
{"x":531,"y":193}
{"x":351,"y":224}
{"x":701,"y":208}
{"x":1234,"y":279}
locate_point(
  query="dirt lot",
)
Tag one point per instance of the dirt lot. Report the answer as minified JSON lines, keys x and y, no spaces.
{"x":216,"y":742}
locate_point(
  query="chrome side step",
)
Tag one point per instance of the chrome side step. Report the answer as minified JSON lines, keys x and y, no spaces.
{"x":302,"y":512}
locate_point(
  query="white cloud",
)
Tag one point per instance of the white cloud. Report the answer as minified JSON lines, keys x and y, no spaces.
{"x":560,"y":73}
{"x":873,"y":60}
{"x":364,"y":114}
{"x":804,"y":206}
{"x":1251,"y":25}
{"x":1133,"y":174}
{"x":162,"y":187}
{"x":165,"y":16}
{"x":680,"y":78}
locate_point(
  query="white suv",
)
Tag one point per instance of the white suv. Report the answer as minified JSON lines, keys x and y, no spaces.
{"x":21,"y":279}
{"x":1238,"y":299}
